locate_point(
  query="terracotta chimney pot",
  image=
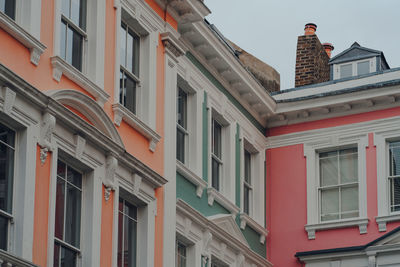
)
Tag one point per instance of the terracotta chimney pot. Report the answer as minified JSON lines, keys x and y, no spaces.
{"x":310,"y":29}
{"x":328,"y":48}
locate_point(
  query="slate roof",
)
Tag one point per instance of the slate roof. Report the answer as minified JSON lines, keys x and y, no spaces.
{"x":357,"y":52}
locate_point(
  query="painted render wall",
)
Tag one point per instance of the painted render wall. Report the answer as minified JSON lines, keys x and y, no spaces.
{"x":287,"y":195}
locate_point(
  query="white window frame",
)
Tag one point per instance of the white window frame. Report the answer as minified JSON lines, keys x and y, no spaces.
{"x":146,"y":212}
{"x":381,"y":141}
{"x":91,"y":77}
{"x":354,"y":65}
{"x":63,"y":243}
{"x":325,"y":143}
{"x":146,"y":88}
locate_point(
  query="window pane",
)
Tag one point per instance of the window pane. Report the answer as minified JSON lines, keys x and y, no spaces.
{"x":130,"y":210}
{"x":132,"y":50}
{"x":56,"y":260}
{"x":73,"y":216}
{"x":6,"y":168}
{"x":215,"y":174}
{"x":60,"y":202}
{"x":180,"y":255}
{"x":130,"y":97}
{"x":349,"y":202}
{"x":180,"y":145}
{"x":181,"y":108}
{"x":61,"y":169}
{"x":78,"y":13}
{"x":63,"y":38}
{"x":121,"y":88}
{"x":217,"y":139}
{"x":69,"y":48}
{"x":329,"y":170}
{"x":130,"y":245}
{"x":395,"y":194}
{"x":77,"y":50}
{"x":394,"y":155}
{"x":348,"y":166}
{"x":346,"y":71}
{"x":3,"y":232}
{"x":247,"y":167}
{"x":363,"y":67}
{"x":120,"y":235}
{"x":329,"y":204}
{"x":246,"y":200}
{"x":8,"y":8}
{"x":123,"y":45}
{"x":68,"y":257}
{"x":74,"y":177}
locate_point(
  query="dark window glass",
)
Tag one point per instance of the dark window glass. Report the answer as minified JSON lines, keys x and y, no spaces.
{"x":216,"y":161}
{"x":394,"y":175}
{"x":75,"y":11}
{"x":180,"y":259}
{"x":127,"y":92}
{"x":247,"y":167}
{"x":182,"y":108}
{"x":129,"y":57}
{"x":215,"y":173}
{"x":180,"y":145}
{"x":246,"y":199}
{"x":247,"y":182}
{"x":181,"y":117}
{"x":73,"y":23}
{"x":63,"y":256}
{"x":3,"y":232}
{"x":217,"y":144}
{"x":127,"y":234}
{"x":8,"y":8}
{"x":7,"y":149}
{"x":68,"y":215}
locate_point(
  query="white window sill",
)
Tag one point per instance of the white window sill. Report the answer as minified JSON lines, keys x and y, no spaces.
{"x":213,"y":194}
{"x":382,"y":220}
{"x":247,"y":220}
{"x":361,"y":223}
{"x":11,"y":27}
{"x":122,"y":113}
{"x":192,"y":177}
{"x":61,"y":67}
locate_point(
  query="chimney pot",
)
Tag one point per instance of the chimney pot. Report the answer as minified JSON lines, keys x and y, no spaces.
{"x":328,"y":48}
{"x":310,"y":29}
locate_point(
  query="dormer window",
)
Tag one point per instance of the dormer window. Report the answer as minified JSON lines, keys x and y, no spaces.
{"x":354,"y":68}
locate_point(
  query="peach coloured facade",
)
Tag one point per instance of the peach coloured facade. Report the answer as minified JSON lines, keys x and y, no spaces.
{"x":16,"y":57}
{"x":287,"y":194}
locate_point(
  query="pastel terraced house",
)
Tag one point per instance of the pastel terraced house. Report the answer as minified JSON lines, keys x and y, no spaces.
{"x":134,"y":134}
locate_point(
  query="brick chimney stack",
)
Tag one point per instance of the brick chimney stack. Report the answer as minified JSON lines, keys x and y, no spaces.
{"x":311,"y":58}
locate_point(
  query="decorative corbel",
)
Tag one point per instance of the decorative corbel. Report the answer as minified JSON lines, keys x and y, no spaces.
{"x":111,"y":166}
{"x":240,"y":260}
{"x":207,"y":238}
{"x":137,"y":181}
{"x":9,"y":100}
{"x":80,"y":144}
{"x":46,"y":132}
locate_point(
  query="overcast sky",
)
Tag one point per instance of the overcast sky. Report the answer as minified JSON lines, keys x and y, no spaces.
{"x":268,"y":29}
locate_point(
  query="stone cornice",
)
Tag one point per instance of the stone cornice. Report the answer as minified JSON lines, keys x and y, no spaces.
{"x":219,"y":233}
{"x":65,"y":116}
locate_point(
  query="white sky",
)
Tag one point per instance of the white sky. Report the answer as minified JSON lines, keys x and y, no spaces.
{"x":268,"y":29}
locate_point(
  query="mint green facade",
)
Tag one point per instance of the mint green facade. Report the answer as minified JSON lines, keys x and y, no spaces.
{"x":186,"y":191}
